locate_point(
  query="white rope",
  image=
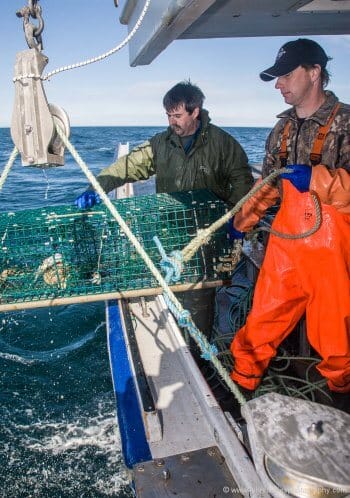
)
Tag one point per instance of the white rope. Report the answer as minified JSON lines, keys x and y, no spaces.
{"x":205,"y":235}
{"x":8,"y":167}
{"x":203,"y":340}
{"x":97,"y":187}
{"x":199,"y":338}
{"x":95,"y":59}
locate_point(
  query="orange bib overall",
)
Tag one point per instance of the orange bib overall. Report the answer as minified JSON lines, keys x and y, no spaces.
{"x":309,"y":275}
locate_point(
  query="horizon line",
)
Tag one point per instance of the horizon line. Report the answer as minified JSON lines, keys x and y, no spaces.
{"x":146,"y":126}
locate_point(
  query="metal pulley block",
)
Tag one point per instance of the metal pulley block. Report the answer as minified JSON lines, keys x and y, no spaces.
{"x":60,"y":118}
{"x":33,"y":128}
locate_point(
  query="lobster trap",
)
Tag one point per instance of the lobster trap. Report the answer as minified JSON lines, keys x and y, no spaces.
{"x":61,"y":255}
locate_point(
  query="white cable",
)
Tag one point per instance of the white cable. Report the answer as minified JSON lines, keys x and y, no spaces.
{"x":151,"y":266}
{"x":95,"y":59}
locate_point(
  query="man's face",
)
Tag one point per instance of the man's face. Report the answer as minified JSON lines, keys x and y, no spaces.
{"x":296,"y":87}
{"x":182,"y":122}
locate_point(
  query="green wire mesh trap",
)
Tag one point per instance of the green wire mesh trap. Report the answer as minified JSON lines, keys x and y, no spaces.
{"x":62,"y":252}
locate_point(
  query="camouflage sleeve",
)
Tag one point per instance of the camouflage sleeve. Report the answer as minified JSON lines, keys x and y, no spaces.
{"x":335,"y":151}
{"x":137,"y":165}
{"x":271,"y":159}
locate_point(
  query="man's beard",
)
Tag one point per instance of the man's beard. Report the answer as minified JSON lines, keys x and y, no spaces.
{"x":177,"y":129}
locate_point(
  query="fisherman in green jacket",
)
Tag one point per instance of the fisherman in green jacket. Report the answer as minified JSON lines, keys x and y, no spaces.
{"x":191,"y":154}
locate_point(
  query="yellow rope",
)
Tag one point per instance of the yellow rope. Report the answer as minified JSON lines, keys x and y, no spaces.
{"x":93,"y":181}
{"x":302,"y":235}
{"x":205,"y":235}
{"x":8,"y":166}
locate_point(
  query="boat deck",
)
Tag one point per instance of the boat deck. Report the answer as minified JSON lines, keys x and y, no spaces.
{"x":185,"y":416}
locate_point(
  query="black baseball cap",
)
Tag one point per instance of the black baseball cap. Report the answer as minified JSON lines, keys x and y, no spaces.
{"x":293,"y":54}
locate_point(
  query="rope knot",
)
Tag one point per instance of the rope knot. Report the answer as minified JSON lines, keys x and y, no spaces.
{"x":172,"y":265}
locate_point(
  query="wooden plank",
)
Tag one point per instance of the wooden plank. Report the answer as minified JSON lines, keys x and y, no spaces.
{"x":90,"y":298}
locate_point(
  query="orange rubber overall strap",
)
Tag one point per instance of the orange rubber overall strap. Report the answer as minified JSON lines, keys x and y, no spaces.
{"x":283,"y":149}
{"x":316,"y":153}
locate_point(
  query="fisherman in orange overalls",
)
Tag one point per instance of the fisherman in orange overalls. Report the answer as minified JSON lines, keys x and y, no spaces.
{"x":309,"y":275}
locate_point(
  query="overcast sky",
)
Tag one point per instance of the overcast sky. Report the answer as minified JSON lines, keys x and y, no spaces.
{"x":112,"y":93}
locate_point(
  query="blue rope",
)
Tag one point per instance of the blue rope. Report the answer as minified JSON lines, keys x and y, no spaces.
{"x":171,"y":265}
{"x":185,"y":321}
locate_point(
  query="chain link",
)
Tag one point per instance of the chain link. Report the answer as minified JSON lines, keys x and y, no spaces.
{"x":31,"y":31}
{"x":32,"y":4}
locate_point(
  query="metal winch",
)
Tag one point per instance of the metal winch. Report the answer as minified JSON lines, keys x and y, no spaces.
{"x":299,"y":447}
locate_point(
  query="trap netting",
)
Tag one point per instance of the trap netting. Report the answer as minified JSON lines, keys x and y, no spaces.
{"x":62,"y":252}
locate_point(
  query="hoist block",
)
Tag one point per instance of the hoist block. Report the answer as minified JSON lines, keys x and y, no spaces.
{"x":33,"y":121}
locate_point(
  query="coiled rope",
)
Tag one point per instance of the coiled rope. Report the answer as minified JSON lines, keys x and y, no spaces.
{"x":277,"y":378}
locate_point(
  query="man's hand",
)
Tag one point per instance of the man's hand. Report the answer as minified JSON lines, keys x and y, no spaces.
{"x":300,"y":176}
{"x":87,"y":199}
{"x":232,"y":232}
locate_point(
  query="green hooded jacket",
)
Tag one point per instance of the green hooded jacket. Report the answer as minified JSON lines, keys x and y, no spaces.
{"x":216,"y":161}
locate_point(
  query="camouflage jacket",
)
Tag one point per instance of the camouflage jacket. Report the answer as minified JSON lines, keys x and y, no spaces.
{"x":336,"y":147}
{"x":216,"y":161}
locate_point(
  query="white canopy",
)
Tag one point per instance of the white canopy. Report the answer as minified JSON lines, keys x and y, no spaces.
{"x":168,"y":20}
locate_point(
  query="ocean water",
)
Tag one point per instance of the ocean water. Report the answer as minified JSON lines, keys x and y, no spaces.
{"x":58,"y":432}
